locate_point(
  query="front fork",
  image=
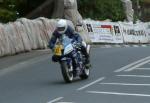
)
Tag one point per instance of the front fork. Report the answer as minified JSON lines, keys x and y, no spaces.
{"x":79,"y":63}
{"x":69,"y":64}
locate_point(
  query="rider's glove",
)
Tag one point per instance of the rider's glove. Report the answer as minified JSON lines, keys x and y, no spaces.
{"x":76,"y":44}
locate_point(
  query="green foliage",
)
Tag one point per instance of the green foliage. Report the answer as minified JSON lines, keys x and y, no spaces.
{"x":11,"y":9}
{"x":95,"y":9}
{"x":6,"y":15}
{"x":8,"y":10}
{"x":102,"y":9}
{"x":26,"y":6}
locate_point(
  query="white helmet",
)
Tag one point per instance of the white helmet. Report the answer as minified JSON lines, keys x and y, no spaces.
{"x":62,"y":26}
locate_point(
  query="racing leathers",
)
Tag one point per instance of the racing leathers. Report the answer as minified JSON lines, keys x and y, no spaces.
{"x":71,"y":34}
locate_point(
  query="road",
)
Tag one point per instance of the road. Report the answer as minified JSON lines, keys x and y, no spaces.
{"x":118,"y":75}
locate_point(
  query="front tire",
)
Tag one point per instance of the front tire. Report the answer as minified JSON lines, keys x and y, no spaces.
{"x":85,"y":73}
{"x":67,"y":72}
{"x":88,"y":48}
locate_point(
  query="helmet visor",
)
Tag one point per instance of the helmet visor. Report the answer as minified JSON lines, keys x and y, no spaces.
{"x":61,"y":29}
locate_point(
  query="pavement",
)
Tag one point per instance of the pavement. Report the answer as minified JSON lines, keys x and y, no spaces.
{"x":118,"y":75}
{"x":9,"y":61}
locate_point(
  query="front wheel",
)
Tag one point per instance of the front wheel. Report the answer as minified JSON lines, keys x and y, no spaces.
{"x":88,"y":48}
{"x":67,"y":72}
{"x":85,"y":74}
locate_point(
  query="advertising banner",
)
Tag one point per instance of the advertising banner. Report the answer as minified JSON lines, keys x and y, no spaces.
{"x":104,"y":32}
{"x":133,"y":33}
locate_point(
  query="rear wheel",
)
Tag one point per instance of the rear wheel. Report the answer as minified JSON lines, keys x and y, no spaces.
{"x":67,"y":72}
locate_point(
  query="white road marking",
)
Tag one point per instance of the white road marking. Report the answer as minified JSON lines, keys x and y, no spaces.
{"x":132,"y":64}
{"x":140,"y":76}
{"x":143,"y":68}
{"x":144,"y":45}
{"x":126,"y":84}
{"x":98,"y":80}
{"x":120,"y":94}
{"x":55,"y":100}
{"x":138,"y":65}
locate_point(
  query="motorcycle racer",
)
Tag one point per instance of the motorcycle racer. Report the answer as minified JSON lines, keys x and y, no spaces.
{"x":63,"y":28}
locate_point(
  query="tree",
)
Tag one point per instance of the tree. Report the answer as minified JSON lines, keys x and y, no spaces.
{"x":101,"y":9}
{"x":8,"y":10}
{"x":95,"y":9}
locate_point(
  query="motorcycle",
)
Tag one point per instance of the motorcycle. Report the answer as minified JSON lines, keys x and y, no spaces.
{"x":72,"y":61}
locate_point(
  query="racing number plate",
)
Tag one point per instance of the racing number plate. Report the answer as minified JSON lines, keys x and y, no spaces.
{"x":57,"y":50}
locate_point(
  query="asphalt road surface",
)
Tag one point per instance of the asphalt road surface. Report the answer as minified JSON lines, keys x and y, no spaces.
{"x":118,"y":75}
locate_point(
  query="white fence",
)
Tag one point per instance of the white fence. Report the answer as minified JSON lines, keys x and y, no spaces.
{"x":26,"y":35}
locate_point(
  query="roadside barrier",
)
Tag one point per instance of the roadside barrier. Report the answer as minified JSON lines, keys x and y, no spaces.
{"x":25,"y":35}
{"x":104,"y":32}
{"x":117,"y":32}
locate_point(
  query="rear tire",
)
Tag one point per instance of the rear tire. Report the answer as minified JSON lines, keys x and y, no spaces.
{"x":67,"y":72}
